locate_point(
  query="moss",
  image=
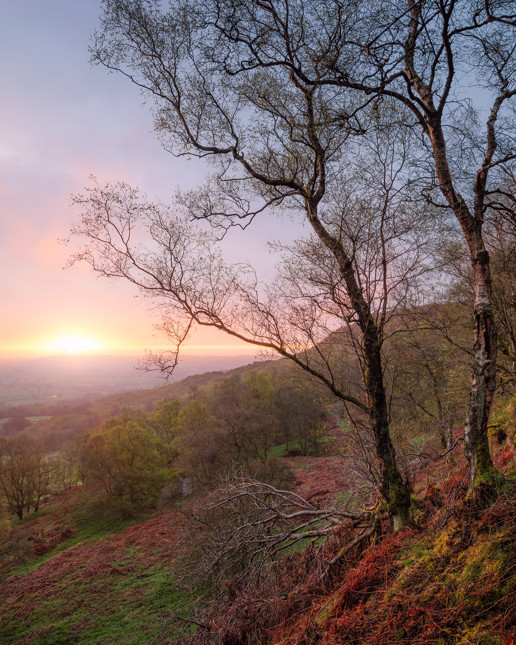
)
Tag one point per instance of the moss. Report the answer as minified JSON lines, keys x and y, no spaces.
{"x":486,"y":488}
{"x":505,"y":419}
{"x":478,"y":635}
{"x":399,"y":503}
{"x":326,"y":609}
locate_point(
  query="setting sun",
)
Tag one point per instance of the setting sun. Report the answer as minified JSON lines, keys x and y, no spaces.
{"x":74,"y":344}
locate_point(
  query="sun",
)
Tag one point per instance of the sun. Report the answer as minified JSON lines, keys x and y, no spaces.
{"x":74,"y":344}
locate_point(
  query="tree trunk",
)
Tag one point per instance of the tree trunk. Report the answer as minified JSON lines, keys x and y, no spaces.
{"x":476,"y":440}
{"x":392,"y":486}
{"x":476,"y":444}
{"x":448,"y":431}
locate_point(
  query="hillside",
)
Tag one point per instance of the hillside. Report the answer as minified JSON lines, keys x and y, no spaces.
{"x":147,"y":549}
{"x":143,"y":399}
{"x":452,"y":580}
{"x":63,"y":422}
{"x":74,"y":574}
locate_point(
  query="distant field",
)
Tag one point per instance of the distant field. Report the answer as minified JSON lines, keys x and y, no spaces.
{"x":31,"y":419}
{"x":61,"y":379}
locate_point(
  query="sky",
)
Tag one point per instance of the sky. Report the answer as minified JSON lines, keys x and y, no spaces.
{"x":62,"y":120}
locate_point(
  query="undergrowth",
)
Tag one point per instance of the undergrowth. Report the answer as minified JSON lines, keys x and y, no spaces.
{"x":89,"y":577}
{"x":450,"y":582}
{"x":76,"y":575}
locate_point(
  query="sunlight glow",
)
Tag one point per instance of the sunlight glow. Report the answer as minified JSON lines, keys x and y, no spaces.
{"x":74,"y":344}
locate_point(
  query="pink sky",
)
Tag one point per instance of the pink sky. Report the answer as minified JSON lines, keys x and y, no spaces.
{"x":60,"y":121}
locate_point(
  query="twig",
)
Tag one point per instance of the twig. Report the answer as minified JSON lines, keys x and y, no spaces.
{"x":452,"y":507}
{"x":353,"y":543}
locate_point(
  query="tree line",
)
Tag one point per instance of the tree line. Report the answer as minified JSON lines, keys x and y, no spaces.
{"x":133,"y":458}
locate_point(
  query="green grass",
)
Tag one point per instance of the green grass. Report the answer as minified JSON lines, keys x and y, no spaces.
{"x":126,"y":608}
{"x":277,"y":452}
{"x":124,"y":602}
{"x":97,"y":521}
{"x":88,"y":521}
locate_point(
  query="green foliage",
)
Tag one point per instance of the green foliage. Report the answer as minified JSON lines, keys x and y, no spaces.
{"x":300,"y":415}
{"x":504,"y":420}
{"x":241,"y":420}
{"x":198,"y":444}
{"x":164,"y":419}
{"x":126,"y":458}
{"x":245,"y":419}
{"x":25,"y":474}
{"x":5,"y":527}
{"x":429,"y":370}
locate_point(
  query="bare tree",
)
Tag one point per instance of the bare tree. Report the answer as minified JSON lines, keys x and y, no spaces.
{"x":423,"y":56}
{"x":183,"y":271}
{"x":26,"y":474}
{"x":277,"y":141}
{"x":300,"y":414}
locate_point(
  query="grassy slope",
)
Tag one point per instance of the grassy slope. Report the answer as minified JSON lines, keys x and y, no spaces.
{"x":74,"y":576}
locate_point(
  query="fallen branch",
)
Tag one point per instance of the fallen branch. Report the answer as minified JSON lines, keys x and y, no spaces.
{"x":350,"y":545}
{"x":247,"y":524}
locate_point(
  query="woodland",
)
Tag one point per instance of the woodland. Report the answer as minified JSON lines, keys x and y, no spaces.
{"x":357,"y":484}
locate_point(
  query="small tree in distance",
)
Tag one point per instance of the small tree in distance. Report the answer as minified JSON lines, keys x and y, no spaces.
{"x":126,"y":460}
{"x":26,"y":474}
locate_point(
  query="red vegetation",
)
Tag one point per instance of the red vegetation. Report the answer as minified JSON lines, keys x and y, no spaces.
{"x":85,"y":576}
{"x":319,"y":479}
{"x":451,"y":581}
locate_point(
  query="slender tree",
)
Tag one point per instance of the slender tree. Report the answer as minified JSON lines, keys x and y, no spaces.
{"x":424,"y":56}
{"x":251,"y":88}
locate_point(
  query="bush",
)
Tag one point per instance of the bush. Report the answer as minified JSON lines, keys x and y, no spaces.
{"x":127,"y":460}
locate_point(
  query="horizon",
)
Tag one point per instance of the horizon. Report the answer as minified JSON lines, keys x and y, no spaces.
{"x":69,"y":378}
{"x":197,"y":351}
{"x":65,"y":120}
